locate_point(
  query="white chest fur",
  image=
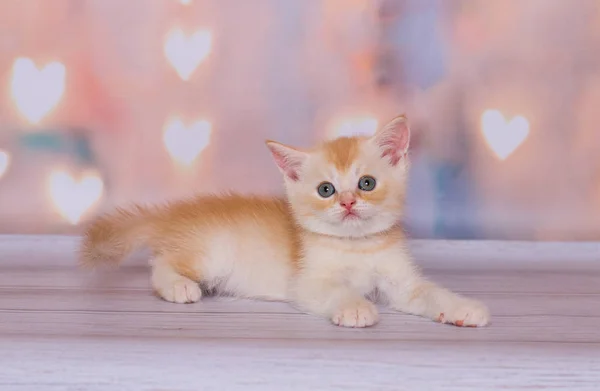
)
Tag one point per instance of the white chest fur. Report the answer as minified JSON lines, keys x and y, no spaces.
{"x":359,"y":263}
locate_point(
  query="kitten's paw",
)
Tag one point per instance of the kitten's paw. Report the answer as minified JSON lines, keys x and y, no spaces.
{"x":466,"y":313}
{"x":181,"y":291}
{"x":361,"y":313}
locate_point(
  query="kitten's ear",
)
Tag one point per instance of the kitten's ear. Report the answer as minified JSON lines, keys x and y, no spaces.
{"x":288,"y":160}
{"x":393,"y":139}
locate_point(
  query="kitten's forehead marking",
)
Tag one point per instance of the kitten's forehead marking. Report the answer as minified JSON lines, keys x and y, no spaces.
{"x":342,"y":152}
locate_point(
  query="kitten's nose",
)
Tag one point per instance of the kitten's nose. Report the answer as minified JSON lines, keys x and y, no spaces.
{"x":347,"y":201}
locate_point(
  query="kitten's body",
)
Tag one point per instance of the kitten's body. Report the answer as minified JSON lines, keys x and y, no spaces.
{"x":324,"y":258}
{"x":243,"y":246}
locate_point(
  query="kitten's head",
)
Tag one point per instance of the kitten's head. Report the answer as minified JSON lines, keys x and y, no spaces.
{"x":350,"y":186}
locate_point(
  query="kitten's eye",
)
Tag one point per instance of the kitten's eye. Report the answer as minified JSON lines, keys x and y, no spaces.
{"x":366,"y":183}
{"x":326,"y":189}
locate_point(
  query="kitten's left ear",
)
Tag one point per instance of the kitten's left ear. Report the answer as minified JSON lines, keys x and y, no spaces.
{"x":393,"y":139}
{"x":289,"y":160}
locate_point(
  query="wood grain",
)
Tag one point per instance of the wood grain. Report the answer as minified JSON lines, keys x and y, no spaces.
{"x":179,"y":364}
{"x":65,"y":329}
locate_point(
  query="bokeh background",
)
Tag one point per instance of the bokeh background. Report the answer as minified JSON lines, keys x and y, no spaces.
{"x":106,"y":102}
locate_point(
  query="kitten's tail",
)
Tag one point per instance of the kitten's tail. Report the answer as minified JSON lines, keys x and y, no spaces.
{"x":113,"y":236}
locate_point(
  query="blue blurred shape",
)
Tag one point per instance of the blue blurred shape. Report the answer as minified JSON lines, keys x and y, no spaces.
{"x":75,"y":144}
{"x":416,"y":35}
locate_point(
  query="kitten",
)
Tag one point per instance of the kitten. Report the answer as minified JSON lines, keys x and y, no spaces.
{"x":333,"y":242}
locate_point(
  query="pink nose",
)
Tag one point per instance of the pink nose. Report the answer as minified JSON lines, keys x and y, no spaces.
{"x":348,"y":204}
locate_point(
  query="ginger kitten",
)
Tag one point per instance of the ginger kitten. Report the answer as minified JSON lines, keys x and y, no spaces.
{"x":333,"y":242}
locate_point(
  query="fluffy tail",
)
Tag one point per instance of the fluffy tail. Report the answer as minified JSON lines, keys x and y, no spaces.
{"x":111,"y":237}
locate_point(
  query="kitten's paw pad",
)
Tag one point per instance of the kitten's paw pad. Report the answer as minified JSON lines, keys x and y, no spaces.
{"x":359,"y":314}
{"x":182,"y":291}
{"x":469,"y":313}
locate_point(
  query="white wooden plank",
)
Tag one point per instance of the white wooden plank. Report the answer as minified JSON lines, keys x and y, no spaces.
{"x":545,"y":332}
{"x":465,"y":281}
{"x":504,"y":304}
{"x":177,"y":365}
{"x":396,"y":327}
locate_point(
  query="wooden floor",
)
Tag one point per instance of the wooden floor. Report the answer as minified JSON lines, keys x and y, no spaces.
{"x":64,"y":329}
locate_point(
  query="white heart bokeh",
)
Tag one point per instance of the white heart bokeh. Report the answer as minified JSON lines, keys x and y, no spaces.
{"x":502,"y":136}
{"x":73,"y":198}
{"x":185,"y":53}
{"x":36,"y":91}
{"x":356,"y":126}
{"x":185,"y":143}
{"x":4,"y":162}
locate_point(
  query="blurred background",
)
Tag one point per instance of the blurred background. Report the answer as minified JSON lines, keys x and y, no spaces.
{"x":107,"y":102}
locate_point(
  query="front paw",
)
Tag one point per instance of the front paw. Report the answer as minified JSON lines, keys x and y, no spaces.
{"x":360,"y":313}
{"x":466,"y":313}
{"x":181,"y":290}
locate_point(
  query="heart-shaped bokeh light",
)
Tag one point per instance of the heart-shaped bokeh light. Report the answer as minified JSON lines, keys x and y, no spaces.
{"x":36,"y":91}
{"x":503,"y":136}
{"x":355,"y":126}
{"x":4,"y":162}
{"x":73,"y":198}
{"x":185,"y":143}
{"x":185,"y":52}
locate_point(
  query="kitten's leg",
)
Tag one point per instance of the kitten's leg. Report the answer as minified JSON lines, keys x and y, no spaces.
{"x":412,"y":294}
{"x":336,"y":301}
{"x":170,"y":284}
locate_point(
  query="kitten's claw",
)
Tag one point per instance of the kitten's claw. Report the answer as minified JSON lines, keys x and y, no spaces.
{"x":357,"y":314}
{"x":467,"y":313}
{"x":182,"y":291}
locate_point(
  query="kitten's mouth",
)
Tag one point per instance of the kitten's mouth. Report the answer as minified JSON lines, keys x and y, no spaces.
{"x":350,"y":215}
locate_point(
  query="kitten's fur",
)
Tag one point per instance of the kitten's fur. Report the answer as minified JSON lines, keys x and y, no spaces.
{"x":304,"y":250}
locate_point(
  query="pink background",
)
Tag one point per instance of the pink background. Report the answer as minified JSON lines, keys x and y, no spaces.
{"x":293,"y":71}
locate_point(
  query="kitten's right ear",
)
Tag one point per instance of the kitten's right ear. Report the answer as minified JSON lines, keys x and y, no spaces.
{"x":393,"y":139}
{"x":288,"y":160}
